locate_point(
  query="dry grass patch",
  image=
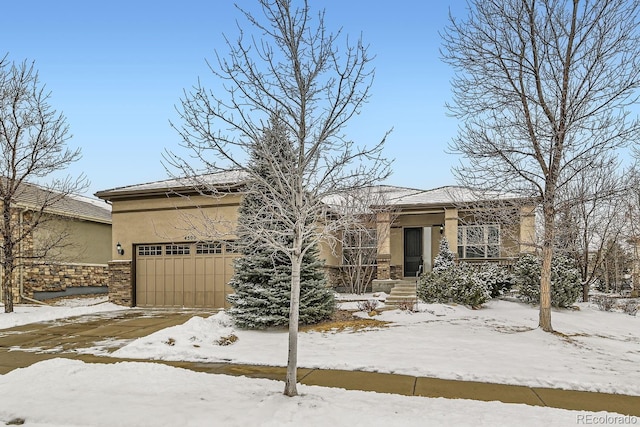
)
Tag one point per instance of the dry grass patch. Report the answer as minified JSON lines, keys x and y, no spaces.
{"x":344,"y":320}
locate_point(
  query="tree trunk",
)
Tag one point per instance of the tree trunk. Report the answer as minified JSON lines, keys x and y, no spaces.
{"x":585,"y":292}
{"x":545,"y":273}
{"x":7,"y":258}
{"x":290,"y":388}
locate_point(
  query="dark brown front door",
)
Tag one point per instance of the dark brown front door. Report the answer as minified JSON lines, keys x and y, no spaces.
{"x":412,"y":251}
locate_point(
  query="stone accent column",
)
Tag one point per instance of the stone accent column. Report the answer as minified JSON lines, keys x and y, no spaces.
{"x":121,"y":283}
{"x":383,"y":257}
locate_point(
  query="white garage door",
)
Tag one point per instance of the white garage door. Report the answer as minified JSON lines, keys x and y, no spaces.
{"x":184,"y":275}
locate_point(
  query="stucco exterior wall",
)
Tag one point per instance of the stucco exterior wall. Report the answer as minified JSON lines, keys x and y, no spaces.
{"x":172,"y":219}
{"x":84,"y":241}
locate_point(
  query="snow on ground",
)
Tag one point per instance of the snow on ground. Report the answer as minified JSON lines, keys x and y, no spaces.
{"x":595,"y":350}
{"x":25,"y":314}
{"x":72,"y":393}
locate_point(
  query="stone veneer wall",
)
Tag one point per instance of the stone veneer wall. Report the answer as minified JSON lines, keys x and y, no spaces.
{"x":54,"y":277}
{"x":396,"y":272}
{"x":120,"y":283}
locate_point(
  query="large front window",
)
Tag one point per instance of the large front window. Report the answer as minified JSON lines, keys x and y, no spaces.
{"x":479,"y":241}
{"x":359,"y":247}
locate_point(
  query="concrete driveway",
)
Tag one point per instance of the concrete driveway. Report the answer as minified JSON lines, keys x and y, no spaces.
{"x":104,"y":333}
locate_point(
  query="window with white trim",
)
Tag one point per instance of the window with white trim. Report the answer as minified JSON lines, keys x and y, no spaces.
{"x":177,"y":249}
{"x":209,"y":248}
{"x":359,"y":247}
{"x":149,"y":250}
{"x":479,"y":241}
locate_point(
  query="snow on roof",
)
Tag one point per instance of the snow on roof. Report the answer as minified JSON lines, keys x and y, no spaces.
{"x":380,"y":195}
{"x":388,"y":195}
{"x":228,"y":179}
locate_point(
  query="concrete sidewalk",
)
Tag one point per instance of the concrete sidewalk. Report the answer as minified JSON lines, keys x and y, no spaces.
{"x":65,"y":337}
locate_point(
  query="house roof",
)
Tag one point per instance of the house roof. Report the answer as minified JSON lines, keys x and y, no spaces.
{"x":381,"y":195}
{"x":31,"y":196}
{"x":441,"y":196}
{"x":221,"y":180}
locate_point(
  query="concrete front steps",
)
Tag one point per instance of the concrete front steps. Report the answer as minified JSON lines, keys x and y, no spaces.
{"x":403,"y":292}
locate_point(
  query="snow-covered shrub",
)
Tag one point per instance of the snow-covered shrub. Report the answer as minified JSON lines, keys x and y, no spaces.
{"x":565,"y":280}
{"x":496,"y":278}
{"x":469,"y":288}
{"x":458,"y":284}
{"x":445,"y":258}
{"x":433,"y":286}
{"x":604,"y":302}
{"x":630,"y":307}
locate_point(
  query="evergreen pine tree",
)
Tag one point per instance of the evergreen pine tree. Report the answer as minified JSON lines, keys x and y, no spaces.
{"x":262,"y":278}
{"x":445,"y":259}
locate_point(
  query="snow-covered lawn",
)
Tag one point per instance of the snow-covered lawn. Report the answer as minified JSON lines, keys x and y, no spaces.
{"x":594,"y":350}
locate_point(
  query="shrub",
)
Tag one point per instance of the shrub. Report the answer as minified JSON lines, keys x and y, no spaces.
{"x":604,"y":302}
{"x":496,"y":278}
{"x":565,"y":281}
{"x":458,"y":284}
{"x":368,"y":306}
{"x":445,"y":259}
{"x":631,"y":307}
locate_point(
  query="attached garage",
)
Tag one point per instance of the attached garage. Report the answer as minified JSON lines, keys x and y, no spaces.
{"x":173,"y":242}
{"x":183,"y":275}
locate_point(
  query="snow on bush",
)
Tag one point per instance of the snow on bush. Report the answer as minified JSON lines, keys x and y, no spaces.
{"x":496,"y":278}
{"x":451,"y":283}
{"x":565,"y":280}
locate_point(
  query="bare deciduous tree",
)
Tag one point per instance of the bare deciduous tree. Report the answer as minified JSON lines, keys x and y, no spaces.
{"x":591,"y":215}
{"x":541,"y":89}
{"x":358,"y":241}
{"x":33,"y":139}
{"x":293,"y":70}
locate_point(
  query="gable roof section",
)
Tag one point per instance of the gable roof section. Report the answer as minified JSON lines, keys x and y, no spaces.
{"x":31,"y":196}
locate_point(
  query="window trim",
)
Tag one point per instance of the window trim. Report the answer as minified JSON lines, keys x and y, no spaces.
{"x":485,"y":245}
{"x":149,"y":250}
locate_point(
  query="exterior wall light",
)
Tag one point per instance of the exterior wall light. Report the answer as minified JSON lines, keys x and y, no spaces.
{"x":119,"y":249}
{"x":441,"y":228}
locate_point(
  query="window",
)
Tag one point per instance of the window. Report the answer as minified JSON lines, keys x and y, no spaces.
{"x":149,"y":250}
{"x":359,"y":247}
{"x":209,"y":248}
{"x":479,"y":241}
{"x":177,"y":249}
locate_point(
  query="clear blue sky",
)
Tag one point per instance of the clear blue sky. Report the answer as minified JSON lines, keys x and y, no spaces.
{"x":117,"y":69}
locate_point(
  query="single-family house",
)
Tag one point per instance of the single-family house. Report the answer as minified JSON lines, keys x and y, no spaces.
{"x":174,"y":243}
{"x":68,"y":252}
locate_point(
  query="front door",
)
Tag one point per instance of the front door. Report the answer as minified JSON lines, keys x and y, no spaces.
{"x":412,"y":251}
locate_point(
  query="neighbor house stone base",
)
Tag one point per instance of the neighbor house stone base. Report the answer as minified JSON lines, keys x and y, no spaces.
{"x":50,"y":277}
{"x":57,"y":277}
{"x":120,"y":283}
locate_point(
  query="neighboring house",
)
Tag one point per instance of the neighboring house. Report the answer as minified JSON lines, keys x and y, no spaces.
{"x":175,"y":244}
{"x":78,"y":260}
